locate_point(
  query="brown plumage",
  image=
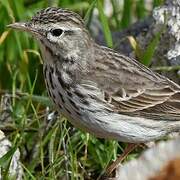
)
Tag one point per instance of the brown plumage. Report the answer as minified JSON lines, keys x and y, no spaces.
{"x":100,"y":90}
{"x":134,"y":89}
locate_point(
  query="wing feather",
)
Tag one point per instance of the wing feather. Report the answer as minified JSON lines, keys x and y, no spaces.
{"x":133,"y":88}
{"x":143,"y":100}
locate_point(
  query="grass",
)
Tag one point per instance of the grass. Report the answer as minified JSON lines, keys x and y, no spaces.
{"x":50,"y":147}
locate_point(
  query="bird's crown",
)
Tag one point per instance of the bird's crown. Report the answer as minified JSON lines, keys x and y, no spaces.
{"x":54,"y":15}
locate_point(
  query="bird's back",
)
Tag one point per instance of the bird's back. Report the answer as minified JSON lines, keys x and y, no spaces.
{"x":133,"y":89}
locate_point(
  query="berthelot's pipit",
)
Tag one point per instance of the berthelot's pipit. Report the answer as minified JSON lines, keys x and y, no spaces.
{"x":98,"y":89}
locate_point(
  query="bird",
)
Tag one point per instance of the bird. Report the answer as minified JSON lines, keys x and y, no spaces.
{"x":99,"y":90}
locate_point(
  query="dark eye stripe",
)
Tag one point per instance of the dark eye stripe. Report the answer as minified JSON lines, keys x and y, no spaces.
{"x":69,"y":32}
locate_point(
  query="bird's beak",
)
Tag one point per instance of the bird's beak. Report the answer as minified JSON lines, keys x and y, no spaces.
{"x":23,"y":27}
{"x":19,"y":25}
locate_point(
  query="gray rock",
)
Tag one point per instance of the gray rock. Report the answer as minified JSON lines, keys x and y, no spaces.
{"x":15,"y":169}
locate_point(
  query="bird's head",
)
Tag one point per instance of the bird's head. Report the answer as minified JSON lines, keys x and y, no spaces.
{"x":60,"y":31}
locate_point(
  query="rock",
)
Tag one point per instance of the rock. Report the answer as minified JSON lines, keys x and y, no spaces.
{"x":15,"y":169}
{"x":158,"y":163}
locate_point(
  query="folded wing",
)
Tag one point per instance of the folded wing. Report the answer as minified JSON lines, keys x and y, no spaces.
{"x":130,"y":87}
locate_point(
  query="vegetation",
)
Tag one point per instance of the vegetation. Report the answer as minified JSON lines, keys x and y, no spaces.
{"x":52,"y":149}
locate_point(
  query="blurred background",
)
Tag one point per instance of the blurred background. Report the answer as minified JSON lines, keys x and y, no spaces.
{"x":50,"y":147}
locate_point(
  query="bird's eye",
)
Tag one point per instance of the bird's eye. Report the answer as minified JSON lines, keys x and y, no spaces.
{"x":56,"y":32}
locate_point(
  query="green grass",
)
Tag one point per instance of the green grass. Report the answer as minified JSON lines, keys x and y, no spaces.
{"x":51,"y":149}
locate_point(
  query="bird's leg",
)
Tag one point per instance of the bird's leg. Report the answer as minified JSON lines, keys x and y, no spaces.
{"x":114,"y":165}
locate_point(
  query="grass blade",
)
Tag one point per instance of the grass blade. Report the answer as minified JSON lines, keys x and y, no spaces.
{"x":127,"y":13}
{"x":87,"y":17}
{"x":149,"y":52}
{"x":104,"y":21}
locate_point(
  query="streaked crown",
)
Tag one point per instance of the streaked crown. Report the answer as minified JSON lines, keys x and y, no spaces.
{"x":54,"y":14}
